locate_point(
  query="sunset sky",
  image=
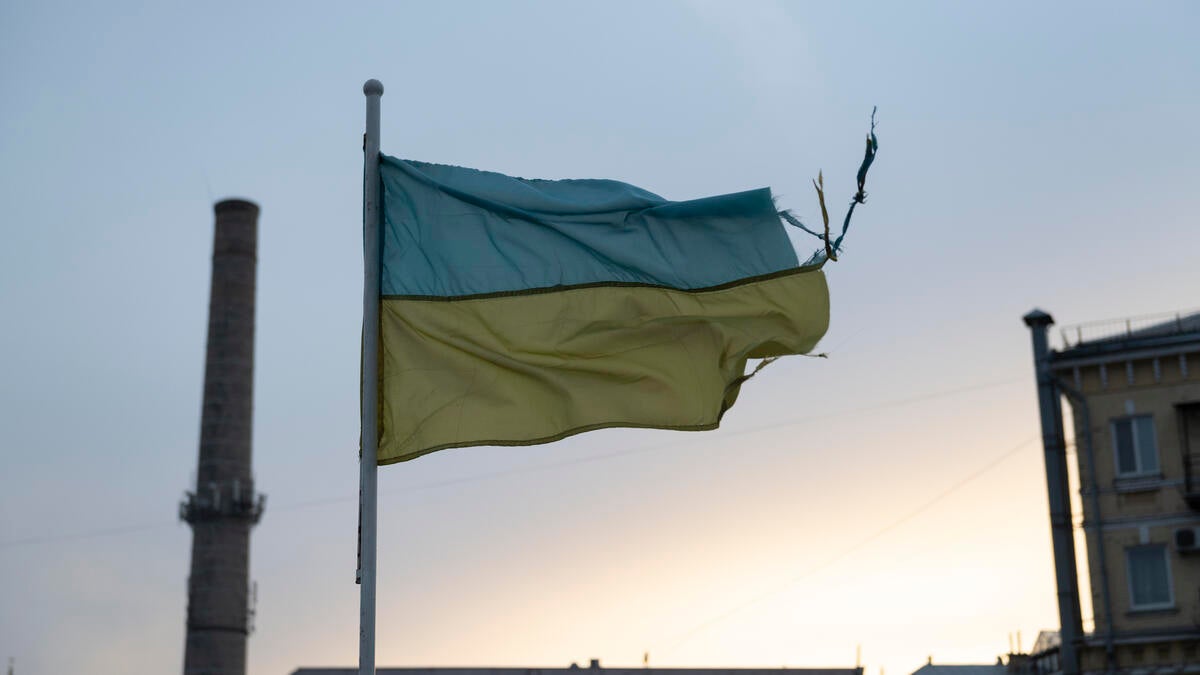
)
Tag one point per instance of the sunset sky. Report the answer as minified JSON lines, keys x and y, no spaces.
{"x":891,"y":496}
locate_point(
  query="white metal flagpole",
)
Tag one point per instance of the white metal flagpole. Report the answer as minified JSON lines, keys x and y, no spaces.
{"x":373,"y":89}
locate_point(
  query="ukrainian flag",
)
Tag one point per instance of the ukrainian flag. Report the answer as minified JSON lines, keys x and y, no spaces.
{"x":517,"y":311}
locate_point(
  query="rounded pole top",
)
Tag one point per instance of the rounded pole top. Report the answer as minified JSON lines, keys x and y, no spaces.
{"x":373,"y":88}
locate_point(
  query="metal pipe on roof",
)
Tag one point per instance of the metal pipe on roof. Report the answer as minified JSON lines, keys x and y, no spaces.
{"x":1055,"y":454}
{"x":1079,"y":404}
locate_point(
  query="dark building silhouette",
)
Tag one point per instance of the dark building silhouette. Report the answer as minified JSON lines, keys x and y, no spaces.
{"x":224,"y":505}
{"x":594,"y":668}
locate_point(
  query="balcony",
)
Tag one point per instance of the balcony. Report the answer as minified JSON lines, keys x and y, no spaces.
{"x":229,"y":501}
{"x":1189,"y":437}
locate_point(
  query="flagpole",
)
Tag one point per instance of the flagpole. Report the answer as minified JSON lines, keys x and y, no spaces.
{"x":367,"y":506}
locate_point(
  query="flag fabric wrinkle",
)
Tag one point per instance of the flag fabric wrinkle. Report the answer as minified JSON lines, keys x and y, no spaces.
{"x":451,"y":231}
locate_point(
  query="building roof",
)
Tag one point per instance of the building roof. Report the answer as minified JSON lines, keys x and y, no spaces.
{"x":930,"y":669}
{"x":1046,"y":639}
{"x":1116,"y":336}
{"x":594,"y":669}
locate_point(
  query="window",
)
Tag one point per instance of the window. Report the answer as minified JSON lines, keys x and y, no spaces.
{"x":1149,"y":577}
{"x":1134,"y":443}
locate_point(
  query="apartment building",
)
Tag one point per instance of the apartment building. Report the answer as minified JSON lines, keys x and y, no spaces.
{"x":1133,"y":388}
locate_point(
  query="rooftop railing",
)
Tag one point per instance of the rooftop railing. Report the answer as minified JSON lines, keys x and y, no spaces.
{"x":1147,"y":325}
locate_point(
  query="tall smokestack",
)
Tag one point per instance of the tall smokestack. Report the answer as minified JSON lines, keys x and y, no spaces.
{"x":224,"y":506}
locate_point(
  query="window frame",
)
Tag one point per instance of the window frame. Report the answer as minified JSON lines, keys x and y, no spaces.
{"x":1154,"y":606}
{"x":1140,"y":471}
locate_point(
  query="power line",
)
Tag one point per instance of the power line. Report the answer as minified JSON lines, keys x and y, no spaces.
{"x":108,"y":532}
{"x":689,"y":633}
{"x":548,"y":466}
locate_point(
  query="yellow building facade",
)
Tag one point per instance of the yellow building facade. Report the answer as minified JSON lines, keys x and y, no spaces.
{"x":1133,"y":387}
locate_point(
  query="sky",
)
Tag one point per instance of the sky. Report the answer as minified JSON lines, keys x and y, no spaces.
{"x":890,"y":498}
